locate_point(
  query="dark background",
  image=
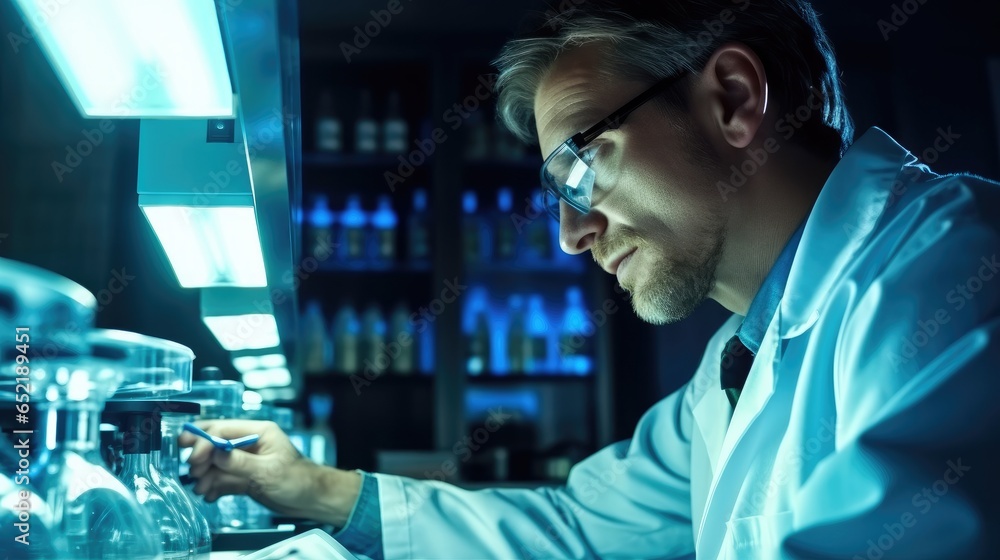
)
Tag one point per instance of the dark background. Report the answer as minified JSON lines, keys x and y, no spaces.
{"x":934,"y":72}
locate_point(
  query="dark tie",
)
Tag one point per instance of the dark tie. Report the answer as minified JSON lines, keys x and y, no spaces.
{"x":736,"y":362}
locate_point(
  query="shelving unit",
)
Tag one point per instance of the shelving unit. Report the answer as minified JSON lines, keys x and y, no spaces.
{"x":554,"y":413}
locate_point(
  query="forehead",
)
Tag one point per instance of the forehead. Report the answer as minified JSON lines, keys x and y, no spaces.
{"x":574,"y":94}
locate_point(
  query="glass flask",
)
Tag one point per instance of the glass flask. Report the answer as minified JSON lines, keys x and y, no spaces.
{"x":168,"y":461}
{"x":139,"y":475}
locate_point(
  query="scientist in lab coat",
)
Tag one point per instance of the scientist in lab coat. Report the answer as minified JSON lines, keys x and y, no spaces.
{"x":848,"y":409}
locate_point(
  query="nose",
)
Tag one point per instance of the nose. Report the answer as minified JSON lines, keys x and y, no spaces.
{"x":577,"y":231}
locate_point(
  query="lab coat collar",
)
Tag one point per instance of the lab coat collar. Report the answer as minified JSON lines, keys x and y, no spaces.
{"x":847,"y":210}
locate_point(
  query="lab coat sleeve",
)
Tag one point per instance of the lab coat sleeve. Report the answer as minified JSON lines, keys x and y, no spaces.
{"x":917,"y":392}
{"x":629,"y":500}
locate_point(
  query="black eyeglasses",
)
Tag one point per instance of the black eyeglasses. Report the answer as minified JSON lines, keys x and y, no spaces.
{"x":567,"y":174}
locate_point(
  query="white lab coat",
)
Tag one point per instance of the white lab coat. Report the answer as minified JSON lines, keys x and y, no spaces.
{"x":866,"y":428}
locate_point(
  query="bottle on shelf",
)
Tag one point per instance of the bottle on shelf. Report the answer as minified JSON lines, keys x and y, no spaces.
{"x":371,"y":344}
{"x":506,"y":231}
{"x":401,"y":340}
{"x":322,"y":443}
{"x":476,"y":328}
{"x":537,"y":358}
{"x":395,"y":131}
{"x":365,"y":129}
{"x":384,"y":223}
{"x":475,"y":232}
{"x":329,"y":132}
{"x":316,"y":345}
{"x":345,"y":331}
{"x":320,"y":223}
{"x":419,"y":228}
{"x":575,"y":349}
{"x":517,"y":339}
{"x":354,"y":222}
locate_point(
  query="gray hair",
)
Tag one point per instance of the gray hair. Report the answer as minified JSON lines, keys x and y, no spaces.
{"x":647,"y":40}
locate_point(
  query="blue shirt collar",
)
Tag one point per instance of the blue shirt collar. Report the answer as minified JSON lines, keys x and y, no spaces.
{"x":764,"y":304}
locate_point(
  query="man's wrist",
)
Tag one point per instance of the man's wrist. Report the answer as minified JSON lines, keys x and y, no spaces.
{"x":334,"y":493}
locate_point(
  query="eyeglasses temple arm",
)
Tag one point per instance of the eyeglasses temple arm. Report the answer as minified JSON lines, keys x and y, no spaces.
{"x":614,"y":120}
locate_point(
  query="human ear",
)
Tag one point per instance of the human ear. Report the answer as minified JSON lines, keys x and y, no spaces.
{"x":733,"y":90}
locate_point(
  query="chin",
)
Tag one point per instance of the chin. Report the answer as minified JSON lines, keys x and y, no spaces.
{"x":671,"y":293}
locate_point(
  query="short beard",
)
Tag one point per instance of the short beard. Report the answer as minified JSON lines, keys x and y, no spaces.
{"x":673,"y":289}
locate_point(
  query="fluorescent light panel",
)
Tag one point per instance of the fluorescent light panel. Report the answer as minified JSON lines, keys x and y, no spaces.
{"x":267,"y":378}
{"x":210,"y":245}
{"x":244,"y":332}
{"x":244,"y":364}
{"x":128,"y":58}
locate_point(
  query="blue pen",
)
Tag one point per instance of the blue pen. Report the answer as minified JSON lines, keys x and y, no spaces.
{"x":222,"y":443}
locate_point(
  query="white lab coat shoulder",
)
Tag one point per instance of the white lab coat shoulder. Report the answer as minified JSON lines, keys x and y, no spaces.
{"x":870,"y":404}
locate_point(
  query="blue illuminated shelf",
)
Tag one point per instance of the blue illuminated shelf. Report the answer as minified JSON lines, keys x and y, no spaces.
{"x":516,"y":378}
{"x":575,"y":267}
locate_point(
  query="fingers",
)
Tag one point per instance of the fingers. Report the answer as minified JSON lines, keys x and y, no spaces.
{"x":215,"y":484}
{"x":230,"y":429}
{"x":201,"y":455}
{"x":238,"y":462}
{"x":187,"y":439}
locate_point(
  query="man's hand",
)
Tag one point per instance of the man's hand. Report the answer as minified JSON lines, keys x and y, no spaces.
{"x":270,"y":471}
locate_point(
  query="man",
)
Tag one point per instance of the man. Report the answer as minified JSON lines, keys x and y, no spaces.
{"x":701,"y":149}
